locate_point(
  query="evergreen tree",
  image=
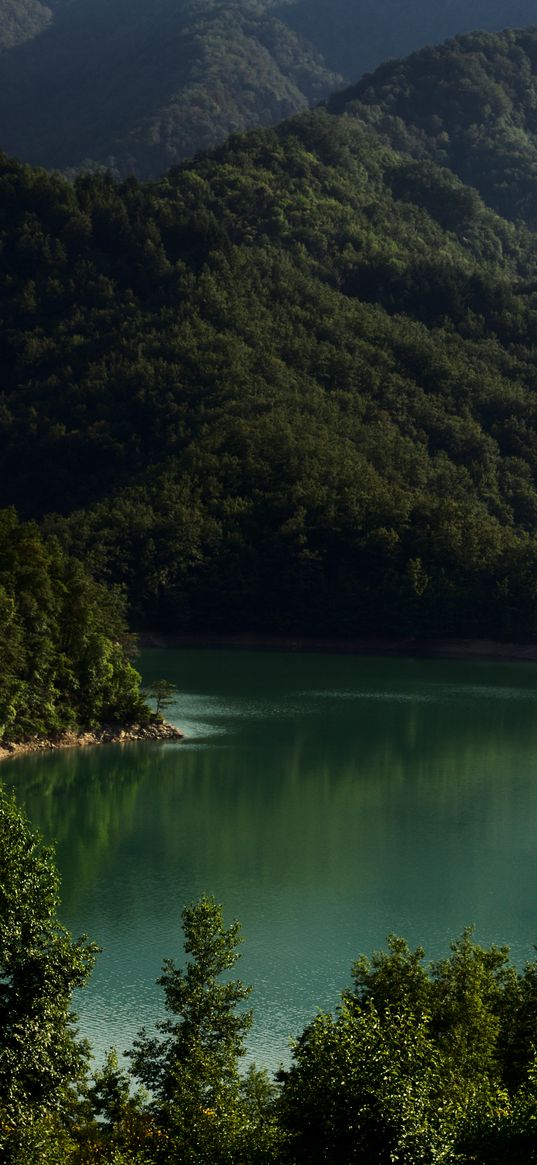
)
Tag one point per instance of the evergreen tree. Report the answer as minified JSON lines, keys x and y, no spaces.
{"x":63,"y":641}
{"x":205,"y":1112}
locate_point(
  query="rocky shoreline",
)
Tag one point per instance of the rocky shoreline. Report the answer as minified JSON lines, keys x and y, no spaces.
{"x":108,"y":735}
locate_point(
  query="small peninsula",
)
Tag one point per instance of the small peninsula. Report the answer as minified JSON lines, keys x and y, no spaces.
{"x":154,"y":730}
{"x":66,"y":678}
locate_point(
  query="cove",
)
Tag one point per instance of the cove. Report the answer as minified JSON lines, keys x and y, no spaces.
{"x":325,"y":800}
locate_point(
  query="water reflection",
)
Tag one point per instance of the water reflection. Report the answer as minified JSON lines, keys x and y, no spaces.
{"x":324,"y":800}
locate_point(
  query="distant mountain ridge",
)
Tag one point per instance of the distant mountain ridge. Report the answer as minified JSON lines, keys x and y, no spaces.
{"x":290,"y":388}
{"x":139,"y":85}
{"x":469,"y":104}
{"x":356,"y":36}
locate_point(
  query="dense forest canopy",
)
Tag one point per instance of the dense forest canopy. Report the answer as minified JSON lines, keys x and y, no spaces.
{"x":138,"y":85}
{"x":302,"y":366}
{"x":468,"y":105}
{"x":62,"y":642}
{"x":290,"y":386}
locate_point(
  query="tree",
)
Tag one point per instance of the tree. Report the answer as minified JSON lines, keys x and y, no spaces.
{"x":63,"y":646}
{"x":192,"y":1068}
{"x":113,"y":1126}
{"x":162,"y":692}
{"x":366,"y":1087}
{"x":423,"y":1066}
{"x":42,"y":1062}
{"x":391,"y":978}
{"x":470,"y":997}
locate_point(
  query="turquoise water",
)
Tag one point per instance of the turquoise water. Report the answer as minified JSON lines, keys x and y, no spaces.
{"x":325,"y":800}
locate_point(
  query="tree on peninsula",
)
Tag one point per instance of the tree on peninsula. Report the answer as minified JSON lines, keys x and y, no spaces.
{"x":162,"y":692}
{"x":63,"y":642}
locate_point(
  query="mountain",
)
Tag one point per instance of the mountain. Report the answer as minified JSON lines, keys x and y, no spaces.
{"x":290,"y":387}
{"x":139,"y":85}
{"x":469,"y":105}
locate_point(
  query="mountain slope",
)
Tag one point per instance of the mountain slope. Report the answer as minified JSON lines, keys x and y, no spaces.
{"x":139,"y":85}
{"x":289,"y":387}
{"x":471,"y":105}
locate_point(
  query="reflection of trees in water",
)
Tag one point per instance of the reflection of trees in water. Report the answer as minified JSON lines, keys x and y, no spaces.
{"x":84,"y":800}
{"x":333,"y":792}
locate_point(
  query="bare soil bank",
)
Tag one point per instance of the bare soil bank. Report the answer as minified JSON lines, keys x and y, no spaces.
{"x":424,"y":648}
{"x":112,"y":735}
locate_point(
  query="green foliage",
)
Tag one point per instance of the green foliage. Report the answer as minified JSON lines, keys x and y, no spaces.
{"x":42,"y":1062}
{"x":62,"y":641}
{"x":203,"y":1110}
{"x":423,"y":1066}
{"x":482,"y":127}
{"x":415,"y":1066}
{"x":208,"y":69}
{"x":162,"y":692}
{"x":289,"y":388}
{"x":182,"y":74}
{"x":469,"y":990}
{"x":367,"y":1088}
{"x":357,"y":36}
{"x":192,"y":1070}
{"x":112,"y":1125}
{"x":109,"y":1093}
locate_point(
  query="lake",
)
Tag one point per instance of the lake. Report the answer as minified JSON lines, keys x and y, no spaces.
{"x":325,"y":800}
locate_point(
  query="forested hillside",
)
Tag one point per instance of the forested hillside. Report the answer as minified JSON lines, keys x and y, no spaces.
{"x":139,"y":85}
{"x":302,"y":367}
{"x":469,"y":105}
{"x":62,"y":642}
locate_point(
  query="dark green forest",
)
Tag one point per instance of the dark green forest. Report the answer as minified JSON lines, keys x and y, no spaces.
{"x":63,"y":642}
{"x":139,"y":85}
{"x":287,"y":388}
{"x":290,"y":387}
{"x":421,"y":1064}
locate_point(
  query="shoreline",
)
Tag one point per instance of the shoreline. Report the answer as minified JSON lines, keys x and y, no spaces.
{"x":437,"y":648}
{"x":87,"y":739}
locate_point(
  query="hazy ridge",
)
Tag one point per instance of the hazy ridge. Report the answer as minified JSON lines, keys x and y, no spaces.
{"x":139,"y":85}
